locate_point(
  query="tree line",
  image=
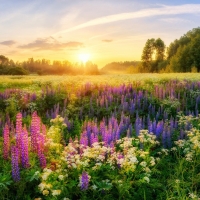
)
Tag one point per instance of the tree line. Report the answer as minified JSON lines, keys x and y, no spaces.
{"x":182,"y":55}
{"x":45,"y":67}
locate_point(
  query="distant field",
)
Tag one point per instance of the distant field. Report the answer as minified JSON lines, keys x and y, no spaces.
{"x":34,"y":83}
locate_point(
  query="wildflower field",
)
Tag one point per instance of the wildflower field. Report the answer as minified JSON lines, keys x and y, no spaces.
{"x":100,"y":137}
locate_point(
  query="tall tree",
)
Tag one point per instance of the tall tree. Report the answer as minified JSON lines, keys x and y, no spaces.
{"x":184,"y":54}
{"x":195,"y":52}
{"x":3,"y":60}
{"x":153,"y":47}
{"x":147,"y":55}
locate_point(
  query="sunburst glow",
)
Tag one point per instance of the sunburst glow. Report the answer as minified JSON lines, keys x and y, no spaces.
{"x":84,"y":57}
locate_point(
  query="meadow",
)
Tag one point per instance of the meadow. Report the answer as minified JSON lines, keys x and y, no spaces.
{"x":100,"y":137}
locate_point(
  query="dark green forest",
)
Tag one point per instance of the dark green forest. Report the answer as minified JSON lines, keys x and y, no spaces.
{"x":182,"y":55}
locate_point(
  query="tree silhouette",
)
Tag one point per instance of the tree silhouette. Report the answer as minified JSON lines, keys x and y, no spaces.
{"x":152,"y":48}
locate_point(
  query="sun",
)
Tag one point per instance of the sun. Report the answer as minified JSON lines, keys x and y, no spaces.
{"x":84,"y":57}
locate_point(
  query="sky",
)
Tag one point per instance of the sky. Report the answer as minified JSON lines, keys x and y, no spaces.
{"x":102,"y":31}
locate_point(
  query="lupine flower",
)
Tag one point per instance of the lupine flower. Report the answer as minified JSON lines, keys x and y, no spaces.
{"x":24,"y":149}
{"x":40,"y":143}
{"x":6,"y":142}
{"x":42,"y":160}
{"x":84,"y":139}
{"x":18,"y":131}
{"x":84,"y":181}
{"x":35,"y":128}
{"x":15,"y":163}
{"x":93,"y":139}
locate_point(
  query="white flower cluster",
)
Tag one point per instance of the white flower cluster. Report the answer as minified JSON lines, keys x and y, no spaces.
{"x":191,"y":146}
{"x":147,"y":138}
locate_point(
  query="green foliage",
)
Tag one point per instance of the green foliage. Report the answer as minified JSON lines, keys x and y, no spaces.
{"x":152,"y":48}
{"x":17,"y":71}
{"x":183,"y":54}
{"x":171,"y":105}
{"x":11,"y":107}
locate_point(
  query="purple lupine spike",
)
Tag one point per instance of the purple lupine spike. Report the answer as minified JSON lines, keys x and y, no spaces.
{"x":159,"y":128}
{"x":33,"y":97}
{"x":24,"y":149}
{"x":95,"y":129}
{"x":93,"y":139}
{"x":15,"y":163}
{"x":105,"y":138}
{"x":42,"y":160}
{"x":154,"y":126}
{"x":84,"y":139}
{"x":117,"y":137}
{"x":138,"y":126}
{"x":169,"y":133}
{"x":6,"y":142}
{"x":84,"y":180}
{"x":150,"y":127}
{"x":164,"y":137}
{"x":112,"y":147}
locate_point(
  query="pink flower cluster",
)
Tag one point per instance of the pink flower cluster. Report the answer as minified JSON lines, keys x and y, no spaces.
{"x":20,"y":151}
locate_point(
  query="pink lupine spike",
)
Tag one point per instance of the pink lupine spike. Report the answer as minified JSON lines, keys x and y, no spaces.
{"x":35,"y":129}
{"x":18,"y":131}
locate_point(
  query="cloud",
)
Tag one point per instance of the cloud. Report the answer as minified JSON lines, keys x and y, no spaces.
{"x":175,"y":20}
{"x":163,"y":10}
{"x":50,"y":44}
{"x":8,"y":42}
{"x":107,"y":40}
